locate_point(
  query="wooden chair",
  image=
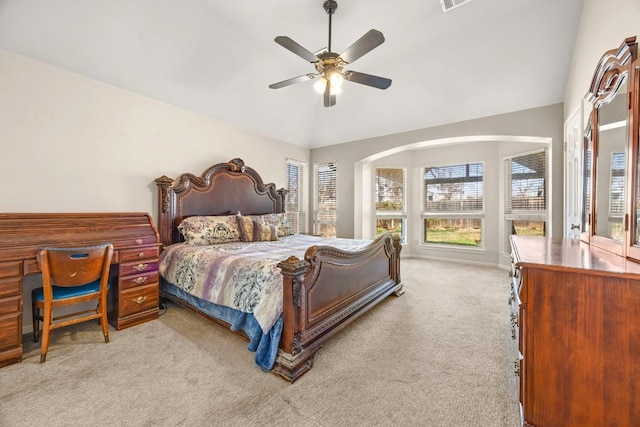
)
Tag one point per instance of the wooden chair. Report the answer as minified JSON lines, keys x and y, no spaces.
{"x":71,"y":276}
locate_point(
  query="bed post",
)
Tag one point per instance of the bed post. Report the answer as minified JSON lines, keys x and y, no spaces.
{"x":395,"y":268}
{"x":166,"y":208}
{"x":292,"y":361}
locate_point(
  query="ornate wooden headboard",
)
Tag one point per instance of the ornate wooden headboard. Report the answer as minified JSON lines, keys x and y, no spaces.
{"x":223,"y":189}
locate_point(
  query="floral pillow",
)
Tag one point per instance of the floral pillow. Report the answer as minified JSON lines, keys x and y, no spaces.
{"x":209,"y":230}
{"x":280,"y":221}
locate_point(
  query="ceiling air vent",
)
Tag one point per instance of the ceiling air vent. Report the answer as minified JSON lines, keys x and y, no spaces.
{"x":447,"y":5}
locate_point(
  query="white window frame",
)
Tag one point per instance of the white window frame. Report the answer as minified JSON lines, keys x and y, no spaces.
{"x":525,"y":215}
{"x":469,"y":214}
{"x":319,"y":224}
{"x":392,"y":214}
{"x":299,"y":214}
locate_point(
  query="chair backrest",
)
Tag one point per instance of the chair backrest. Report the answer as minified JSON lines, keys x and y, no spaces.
{"x":75,"y":266}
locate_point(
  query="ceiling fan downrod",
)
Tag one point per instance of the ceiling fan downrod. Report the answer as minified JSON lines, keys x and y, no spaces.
{"x":330,"y":7}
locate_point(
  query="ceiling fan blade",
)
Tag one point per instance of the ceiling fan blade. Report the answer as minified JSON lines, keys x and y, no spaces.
{"x":294,"y":80}
{"x":365,"y":44}
{"x":367,"y":79}
{"x":294,"y":47}
{"x":329,"y":99}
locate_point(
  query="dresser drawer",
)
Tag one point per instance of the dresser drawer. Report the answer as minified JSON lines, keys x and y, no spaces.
{"x":138,"y":254}
{"x":138,"y":268}
{"x":136,"y":300}
{"x":10,"y":287}
{"x":10,"y":269}
{"x":11,"y":304}
{"x":138,"y":280}
{"x":10,"y":330}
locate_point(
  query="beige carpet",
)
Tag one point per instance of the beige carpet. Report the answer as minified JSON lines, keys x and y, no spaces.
{"x":440,"y":355}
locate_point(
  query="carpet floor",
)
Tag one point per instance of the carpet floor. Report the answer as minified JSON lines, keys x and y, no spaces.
{"x":440,"y":355}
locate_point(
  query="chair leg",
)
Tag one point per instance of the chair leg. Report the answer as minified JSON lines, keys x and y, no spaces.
{"x":36,"y":320}
{"x":46,"y":331}
{"x":103,"y":320}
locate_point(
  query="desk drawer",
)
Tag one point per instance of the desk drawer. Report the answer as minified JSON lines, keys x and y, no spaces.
{"x":138,"y":299}
{"x":138,"y":280}
{"x":10,"y":287}
{"x":10,"y":269}
{"x":141,"y":267}
{"x":10,"y":330}
{"x":11,"y":304}
{"x":138,"y":254}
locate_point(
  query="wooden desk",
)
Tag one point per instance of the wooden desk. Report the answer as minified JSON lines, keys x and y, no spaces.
{"x":133,"y":296}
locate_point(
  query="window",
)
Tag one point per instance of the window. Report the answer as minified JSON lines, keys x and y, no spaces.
{"x":296,"y":206}
{"x":526,"y":210}
{"x":324,"y":206}
{"x":453,"y":210}
{"x":389,"y":193}
{"x":616,"y":196}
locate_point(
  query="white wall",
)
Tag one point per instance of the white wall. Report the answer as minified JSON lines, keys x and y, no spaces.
{"x":522,"y":127}
{"x":603,"y":26}
{"x":72,"y":144}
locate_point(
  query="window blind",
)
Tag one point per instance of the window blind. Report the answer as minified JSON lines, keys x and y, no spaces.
{"x":457,"y":188}
{"x":390,"y":189}
{"x":296,"y":212}
{"x":528,"y":182}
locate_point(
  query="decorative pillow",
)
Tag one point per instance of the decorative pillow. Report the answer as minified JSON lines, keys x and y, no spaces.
{"x":209,"y":230}
{"x":280,"y":221}
{"x":245,"y":224}
{"x":264,"y":232}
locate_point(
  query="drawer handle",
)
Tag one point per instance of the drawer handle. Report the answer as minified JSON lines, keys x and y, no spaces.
{"x":141,"y":267}
{"x":141,"y":254}
{"x":140,"y":280}
{"x":139,"y":242}
{"x":140,"y":299}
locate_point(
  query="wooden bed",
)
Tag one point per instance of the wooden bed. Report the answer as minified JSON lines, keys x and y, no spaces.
{"x":322,"y":293}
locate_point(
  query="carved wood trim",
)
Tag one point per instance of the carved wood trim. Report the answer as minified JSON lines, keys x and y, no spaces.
{"x":611,"y":72}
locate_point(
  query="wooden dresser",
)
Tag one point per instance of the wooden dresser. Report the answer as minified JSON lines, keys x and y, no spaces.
{"x":576,"y":328}
{"x":133,"y":295}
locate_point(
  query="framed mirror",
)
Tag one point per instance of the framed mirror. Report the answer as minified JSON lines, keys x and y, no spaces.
{"x":607,"y":149}
{"x":633,"y":250}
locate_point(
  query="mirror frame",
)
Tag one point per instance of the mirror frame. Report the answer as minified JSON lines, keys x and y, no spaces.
{"x":614,"y":68}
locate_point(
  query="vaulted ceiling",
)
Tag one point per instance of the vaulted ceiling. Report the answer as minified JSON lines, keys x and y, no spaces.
{"x":217,"y":58}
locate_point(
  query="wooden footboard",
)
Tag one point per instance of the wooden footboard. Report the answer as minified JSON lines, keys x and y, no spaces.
{"x":328,"y":290}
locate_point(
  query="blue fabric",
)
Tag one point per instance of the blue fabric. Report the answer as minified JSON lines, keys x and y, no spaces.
{"x":61,"y":292}
{"x":264,"y":345}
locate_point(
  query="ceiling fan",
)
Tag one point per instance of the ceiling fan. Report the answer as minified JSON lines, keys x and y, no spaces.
{"x":330,"y":66}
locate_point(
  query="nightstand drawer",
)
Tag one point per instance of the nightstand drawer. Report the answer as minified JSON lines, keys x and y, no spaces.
{"x":141,"y":267}
{"x":138,"y":280}
{"x":138,"y":254}
{"x":138,"y":299}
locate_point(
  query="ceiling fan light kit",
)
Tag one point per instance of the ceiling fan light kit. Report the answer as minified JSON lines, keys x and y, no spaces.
{"x":330,"y":72}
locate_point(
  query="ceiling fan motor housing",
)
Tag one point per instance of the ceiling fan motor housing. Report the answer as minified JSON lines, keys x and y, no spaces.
{"x":330,"y":6}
